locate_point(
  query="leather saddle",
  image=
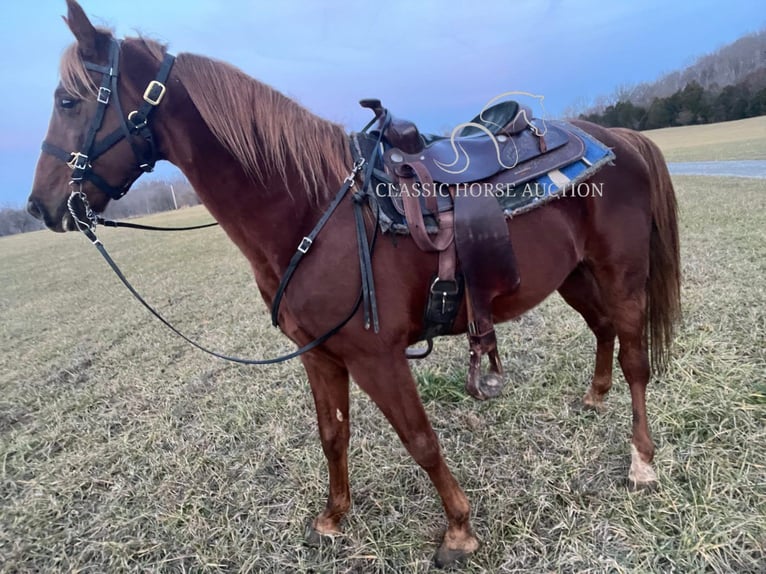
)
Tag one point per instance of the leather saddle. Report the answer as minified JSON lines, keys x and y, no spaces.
{"x":498,"y":143}
{"x":502,"y":118}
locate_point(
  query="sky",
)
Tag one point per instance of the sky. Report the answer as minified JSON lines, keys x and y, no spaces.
{"x":437,"y":63}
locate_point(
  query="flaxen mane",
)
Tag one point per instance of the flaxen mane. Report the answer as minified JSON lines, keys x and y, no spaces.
{"x":263,"y":129}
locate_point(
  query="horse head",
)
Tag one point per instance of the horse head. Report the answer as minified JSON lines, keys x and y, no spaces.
{"x":94,"y":151}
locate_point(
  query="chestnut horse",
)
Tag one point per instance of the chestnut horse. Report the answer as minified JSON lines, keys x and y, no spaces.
{"x":266,"y":169}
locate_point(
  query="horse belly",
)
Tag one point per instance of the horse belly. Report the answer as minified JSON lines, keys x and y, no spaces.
{"x":547,"y":247}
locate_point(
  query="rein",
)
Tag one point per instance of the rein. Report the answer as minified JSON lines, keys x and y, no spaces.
{"x":86,"y":220}
{"x":137,"y":123}
{"x":127,"y":225}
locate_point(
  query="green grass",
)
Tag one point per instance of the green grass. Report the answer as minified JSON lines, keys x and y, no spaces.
{"x":740,"y":139}
{"x":124,"y":449}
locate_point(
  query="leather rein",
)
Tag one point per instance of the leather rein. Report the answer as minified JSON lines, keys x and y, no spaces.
{"x":137,"y":123}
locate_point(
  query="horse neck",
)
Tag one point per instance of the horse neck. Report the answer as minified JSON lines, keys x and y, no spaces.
{"x":265,"y":219}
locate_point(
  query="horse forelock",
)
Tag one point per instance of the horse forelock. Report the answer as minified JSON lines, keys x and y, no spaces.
{"x":267,"y":132}
{"x":78,"y":81}
{"x":75,"y":79}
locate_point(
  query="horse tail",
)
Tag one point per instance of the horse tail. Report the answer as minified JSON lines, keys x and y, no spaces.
{"x":664,"y":282}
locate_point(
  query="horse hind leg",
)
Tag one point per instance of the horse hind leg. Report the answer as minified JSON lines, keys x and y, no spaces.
{"x":627,"y":298}
{"x":581,"y":291}
{"x":634,"y":361}
{"x":388,"y":381}
{"x":329,"y":386}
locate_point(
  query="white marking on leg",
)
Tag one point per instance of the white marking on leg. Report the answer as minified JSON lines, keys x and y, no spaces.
{"x":339,"y":415}
{"x":640,"y":472}
{"x":591,"y":399}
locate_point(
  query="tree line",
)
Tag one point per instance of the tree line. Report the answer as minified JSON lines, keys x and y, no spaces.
{"x":150,"y":196}
{"x":691,"y":105}
{"x":726,"y":84}
{"x":729,"y":65}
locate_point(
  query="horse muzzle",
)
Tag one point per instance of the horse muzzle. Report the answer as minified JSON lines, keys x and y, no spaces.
{"x":59,"y":221}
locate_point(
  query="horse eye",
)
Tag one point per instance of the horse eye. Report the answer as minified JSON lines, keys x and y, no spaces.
{"x":68,"y":103}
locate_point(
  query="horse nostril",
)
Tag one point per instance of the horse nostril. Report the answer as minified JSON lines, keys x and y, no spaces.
{"x":34,"y":209}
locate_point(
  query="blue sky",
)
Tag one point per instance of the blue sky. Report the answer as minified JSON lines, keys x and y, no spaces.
{"x":435,"y":62}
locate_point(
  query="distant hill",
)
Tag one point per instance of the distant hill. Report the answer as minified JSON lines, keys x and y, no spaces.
{"x":727,"y":66}
{"x":729,"y":84}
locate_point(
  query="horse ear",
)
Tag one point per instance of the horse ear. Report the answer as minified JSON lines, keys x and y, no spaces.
{"x":83,"y":30}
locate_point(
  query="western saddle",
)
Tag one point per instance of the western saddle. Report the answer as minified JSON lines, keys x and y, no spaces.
{"x":438,"y":177}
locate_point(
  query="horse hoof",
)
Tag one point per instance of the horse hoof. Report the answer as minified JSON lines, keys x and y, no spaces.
{"x":462,"y":546}
{"x":589,"y":403}
{"x":641,"y":475}
{"x":314,"y":539}
{"x":648,"y":487}
{"x":598,"y":408}
{"x":446,"y":557}
{"x":491,"y":385}
{"x":473,"y":388}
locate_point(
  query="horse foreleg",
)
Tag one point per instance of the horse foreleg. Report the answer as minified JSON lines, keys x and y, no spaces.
{"x":582,"y":293}
{"x":390,"y":384}
{"x":329,"y":386}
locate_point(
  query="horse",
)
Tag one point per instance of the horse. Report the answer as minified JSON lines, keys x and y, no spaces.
{"x":266,"y":169}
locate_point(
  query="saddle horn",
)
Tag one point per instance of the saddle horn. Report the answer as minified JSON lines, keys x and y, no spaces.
{"x":374,"y":105}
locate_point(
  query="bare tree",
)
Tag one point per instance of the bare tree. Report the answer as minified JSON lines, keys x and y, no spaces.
{"x":14,"y":221}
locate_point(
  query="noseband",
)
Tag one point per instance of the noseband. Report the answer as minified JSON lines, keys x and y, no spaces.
{"x":136,"y":123}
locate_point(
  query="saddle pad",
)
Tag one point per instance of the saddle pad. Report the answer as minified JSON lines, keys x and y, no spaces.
{"x":554,"y":183}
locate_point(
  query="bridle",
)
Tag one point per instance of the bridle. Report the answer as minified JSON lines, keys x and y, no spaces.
{"x":135,"y":123}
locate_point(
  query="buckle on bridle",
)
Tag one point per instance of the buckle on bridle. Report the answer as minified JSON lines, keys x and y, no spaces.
{"x":103,"y":95}
{"x":305,"y":245}
{"x":358,"y":164}
{"x":154,"y":93}
{"x":78,"y":161}
{"x":136,"y":126}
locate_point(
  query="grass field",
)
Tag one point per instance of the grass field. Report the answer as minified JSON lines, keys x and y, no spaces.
{"x":740,"y":139}
{"x":124,"y":449}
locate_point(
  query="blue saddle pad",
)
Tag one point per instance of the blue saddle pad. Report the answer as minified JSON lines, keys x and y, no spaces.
{"x":566,"y":181}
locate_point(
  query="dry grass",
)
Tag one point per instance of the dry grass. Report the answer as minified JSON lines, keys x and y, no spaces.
{"x":739,"y":139}
{"x":123,"y":449}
